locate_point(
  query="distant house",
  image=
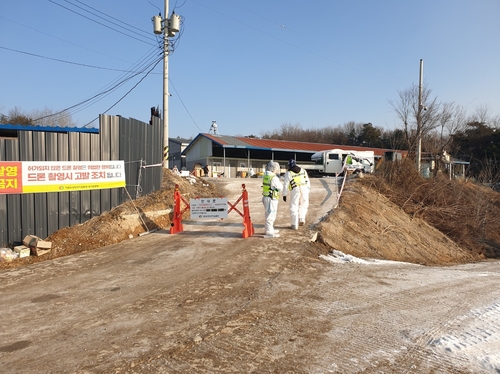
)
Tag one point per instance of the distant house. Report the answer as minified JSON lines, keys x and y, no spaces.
{"x":234,"y":156}
{"x":454,"y":167}
{"x":176,"y":147}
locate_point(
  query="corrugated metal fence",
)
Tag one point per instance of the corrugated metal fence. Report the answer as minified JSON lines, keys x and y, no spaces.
{"x":137,"y":143}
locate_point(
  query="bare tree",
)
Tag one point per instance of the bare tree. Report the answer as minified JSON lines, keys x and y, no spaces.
{"x":481,"y":114}
{"x":394,"y":139}
{"x":17,"y":117}
{"x":495,"y":122}
{"x":350,"y":133}
{"x":408,"y":111}
{"x":451,"y":119}
{"x":47,"y":117}
{"x":335,"y":135}
{"x":403,"y":109}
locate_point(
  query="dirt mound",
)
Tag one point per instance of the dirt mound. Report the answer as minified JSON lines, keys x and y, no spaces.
{"x":367,"y":225}
{"x":466,"y":212}
{"x":147,"y":213}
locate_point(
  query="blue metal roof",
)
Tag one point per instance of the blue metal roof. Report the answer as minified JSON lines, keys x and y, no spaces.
{"x":47,"y":128}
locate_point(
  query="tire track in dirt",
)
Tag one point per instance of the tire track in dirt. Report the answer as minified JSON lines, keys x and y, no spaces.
{"x":226,"y":332}
{"x":384,"y":320}
{"x":469,"y":339}
{"x":447,"y":344}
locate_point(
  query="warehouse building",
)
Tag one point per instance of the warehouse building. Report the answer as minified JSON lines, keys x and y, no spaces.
{"x":232,"y":156}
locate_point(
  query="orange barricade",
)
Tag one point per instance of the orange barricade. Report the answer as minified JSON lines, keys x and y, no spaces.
{"x":247,"y":221}
{"x":176,"y":225}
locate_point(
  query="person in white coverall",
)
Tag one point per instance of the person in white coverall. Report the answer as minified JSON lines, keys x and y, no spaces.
{"x":271,"y":188}
{"x":297,"y":185}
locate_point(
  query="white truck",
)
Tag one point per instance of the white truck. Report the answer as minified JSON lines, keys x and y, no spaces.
{"x":334,"y":161}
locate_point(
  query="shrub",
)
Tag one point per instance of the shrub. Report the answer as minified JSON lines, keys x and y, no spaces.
{"x":467,"y":213}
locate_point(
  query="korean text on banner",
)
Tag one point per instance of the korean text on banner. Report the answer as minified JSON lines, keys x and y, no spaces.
{"x":60,"y":176}
{"x":208,"y":208}
{"x":10,"y":177}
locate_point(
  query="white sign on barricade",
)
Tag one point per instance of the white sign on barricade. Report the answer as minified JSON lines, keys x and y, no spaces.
{"x":208,"y":208}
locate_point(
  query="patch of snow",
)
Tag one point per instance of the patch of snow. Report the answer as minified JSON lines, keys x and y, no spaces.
{"x":338,"y":257}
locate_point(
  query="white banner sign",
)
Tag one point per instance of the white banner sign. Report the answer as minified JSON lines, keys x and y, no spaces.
{"x":208,"y":208}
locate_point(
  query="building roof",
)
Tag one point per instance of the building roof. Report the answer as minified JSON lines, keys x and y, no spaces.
{"x":181,"y":141}
{"x":281,"y":145}
{"x":10,"y":128}
{"x":457,"y":161}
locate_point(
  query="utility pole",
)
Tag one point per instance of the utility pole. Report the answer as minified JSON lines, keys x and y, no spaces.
{"x":419,"y":117}
{"x":168,"y":27}
{"x":166,"y":23}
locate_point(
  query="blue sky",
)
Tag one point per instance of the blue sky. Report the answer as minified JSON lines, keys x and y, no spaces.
{"x":252,"y":66}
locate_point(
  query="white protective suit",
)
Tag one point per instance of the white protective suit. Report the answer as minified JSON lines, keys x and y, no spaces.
{"x":298,"y":196}
{"x":271,"y":202}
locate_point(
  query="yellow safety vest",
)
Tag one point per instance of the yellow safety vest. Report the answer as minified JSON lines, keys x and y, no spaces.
{"x":298,"y":179}
{"x":267,"y":191}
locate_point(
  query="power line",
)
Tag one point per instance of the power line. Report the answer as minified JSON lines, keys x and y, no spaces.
{"x":159,"y":10}
{"x":63,"y":61}
{"x":100,"y":23}
{"x":182,"y":102}
{"x":106,"y":91}
{"x":60,"y":39}
{"x":149,"y":61}
{"x":140,"y":66}
{"x":148,"y":34}
{"x":112,"y":106}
